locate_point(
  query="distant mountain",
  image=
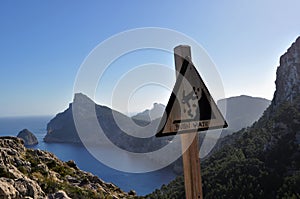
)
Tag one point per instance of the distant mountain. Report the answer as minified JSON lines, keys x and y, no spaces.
{"x":152,"y":114}
{"x":62,"y":127}
{"x":242,"y":111}
{"x":262,"y":161}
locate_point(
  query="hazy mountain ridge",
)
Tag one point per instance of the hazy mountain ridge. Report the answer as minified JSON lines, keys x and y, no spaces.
{"x":62,"y":127}
{"x":239,"y":111}
{"x":151,"y":114}
{"x":242,"y":111}
{"x":262,"y":161}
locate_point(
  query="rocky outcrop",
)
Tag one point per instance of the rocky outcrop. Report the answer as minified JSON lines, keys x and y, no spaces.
{"x":287,"y":94}
{"x":288,"y":76}
{"x":14,"y":183}
{"x":28,"y":173}
{"x":28,"y":137}
{"x":59,"y":195}
{"x":151,"y":114}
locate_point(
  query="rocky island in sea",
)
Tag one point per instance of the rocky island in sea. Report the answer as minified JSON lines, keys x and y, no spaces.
{"x":28,"y":137}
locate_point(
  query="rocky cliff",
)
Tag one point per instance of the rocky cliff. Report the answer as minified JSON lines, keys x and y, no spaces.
{"x":288,"y":76}
{"x":28,"y":173}
{"x":262,"y":161}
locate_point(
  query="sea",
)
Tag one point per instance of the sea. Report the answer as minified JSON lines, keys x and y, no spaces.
{"x":142,"y":183}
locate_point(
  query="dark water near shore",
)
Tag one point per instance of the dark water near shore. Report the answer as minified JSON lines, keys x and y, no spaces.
{"x":142,"y":183}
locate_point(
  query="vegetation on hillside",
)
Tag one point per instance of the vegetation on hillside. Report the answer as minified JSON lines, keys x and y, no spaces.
{"x":262,"y":161}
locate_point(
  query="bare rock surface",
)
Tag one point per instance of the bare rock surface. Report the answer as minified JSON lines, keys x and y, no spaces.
{"x":29,"y":173}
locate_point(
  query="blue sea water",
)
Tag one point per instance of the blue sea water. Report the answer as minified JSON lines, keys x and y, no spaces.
{"x":142,"y":183}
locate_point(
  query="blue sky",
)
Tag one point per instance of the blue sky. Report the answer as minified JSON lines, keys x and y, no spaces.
{"x":43,"y":43}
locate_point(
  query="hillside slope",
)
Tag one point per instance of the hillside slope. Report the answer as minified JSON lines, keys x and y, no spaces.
{"x":262,"y":161}
{"x":28,"y":173}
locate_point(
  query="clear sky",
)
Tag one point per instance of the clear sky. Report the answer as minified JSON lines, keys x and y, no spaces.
{"x":43,"y":43}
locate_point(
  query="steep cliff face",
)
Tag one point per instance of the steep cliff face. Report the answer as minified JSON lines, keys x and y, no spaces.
{"x":287,"y":87}
{"x":288,"y":76}
{"x":28,"y":173}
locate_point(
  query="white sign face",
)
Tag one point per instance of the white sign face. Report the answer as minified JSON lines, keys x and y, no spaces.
{"x":190,"y":107}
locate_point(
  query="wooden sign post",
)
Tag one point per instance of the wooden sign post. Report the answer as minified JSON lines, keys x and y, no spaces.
{"x":190,"y":109}
{"x":191,"y":160}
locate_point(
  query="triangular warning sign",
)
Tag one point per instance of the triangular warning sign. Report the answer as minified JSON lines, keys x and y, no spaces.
{"x":191,"y":107}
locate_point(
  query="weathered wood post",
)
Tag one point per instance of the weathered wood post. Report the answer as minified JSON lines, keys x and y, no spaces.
{"x":191,"y":160}
{"x":190,"y":109}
